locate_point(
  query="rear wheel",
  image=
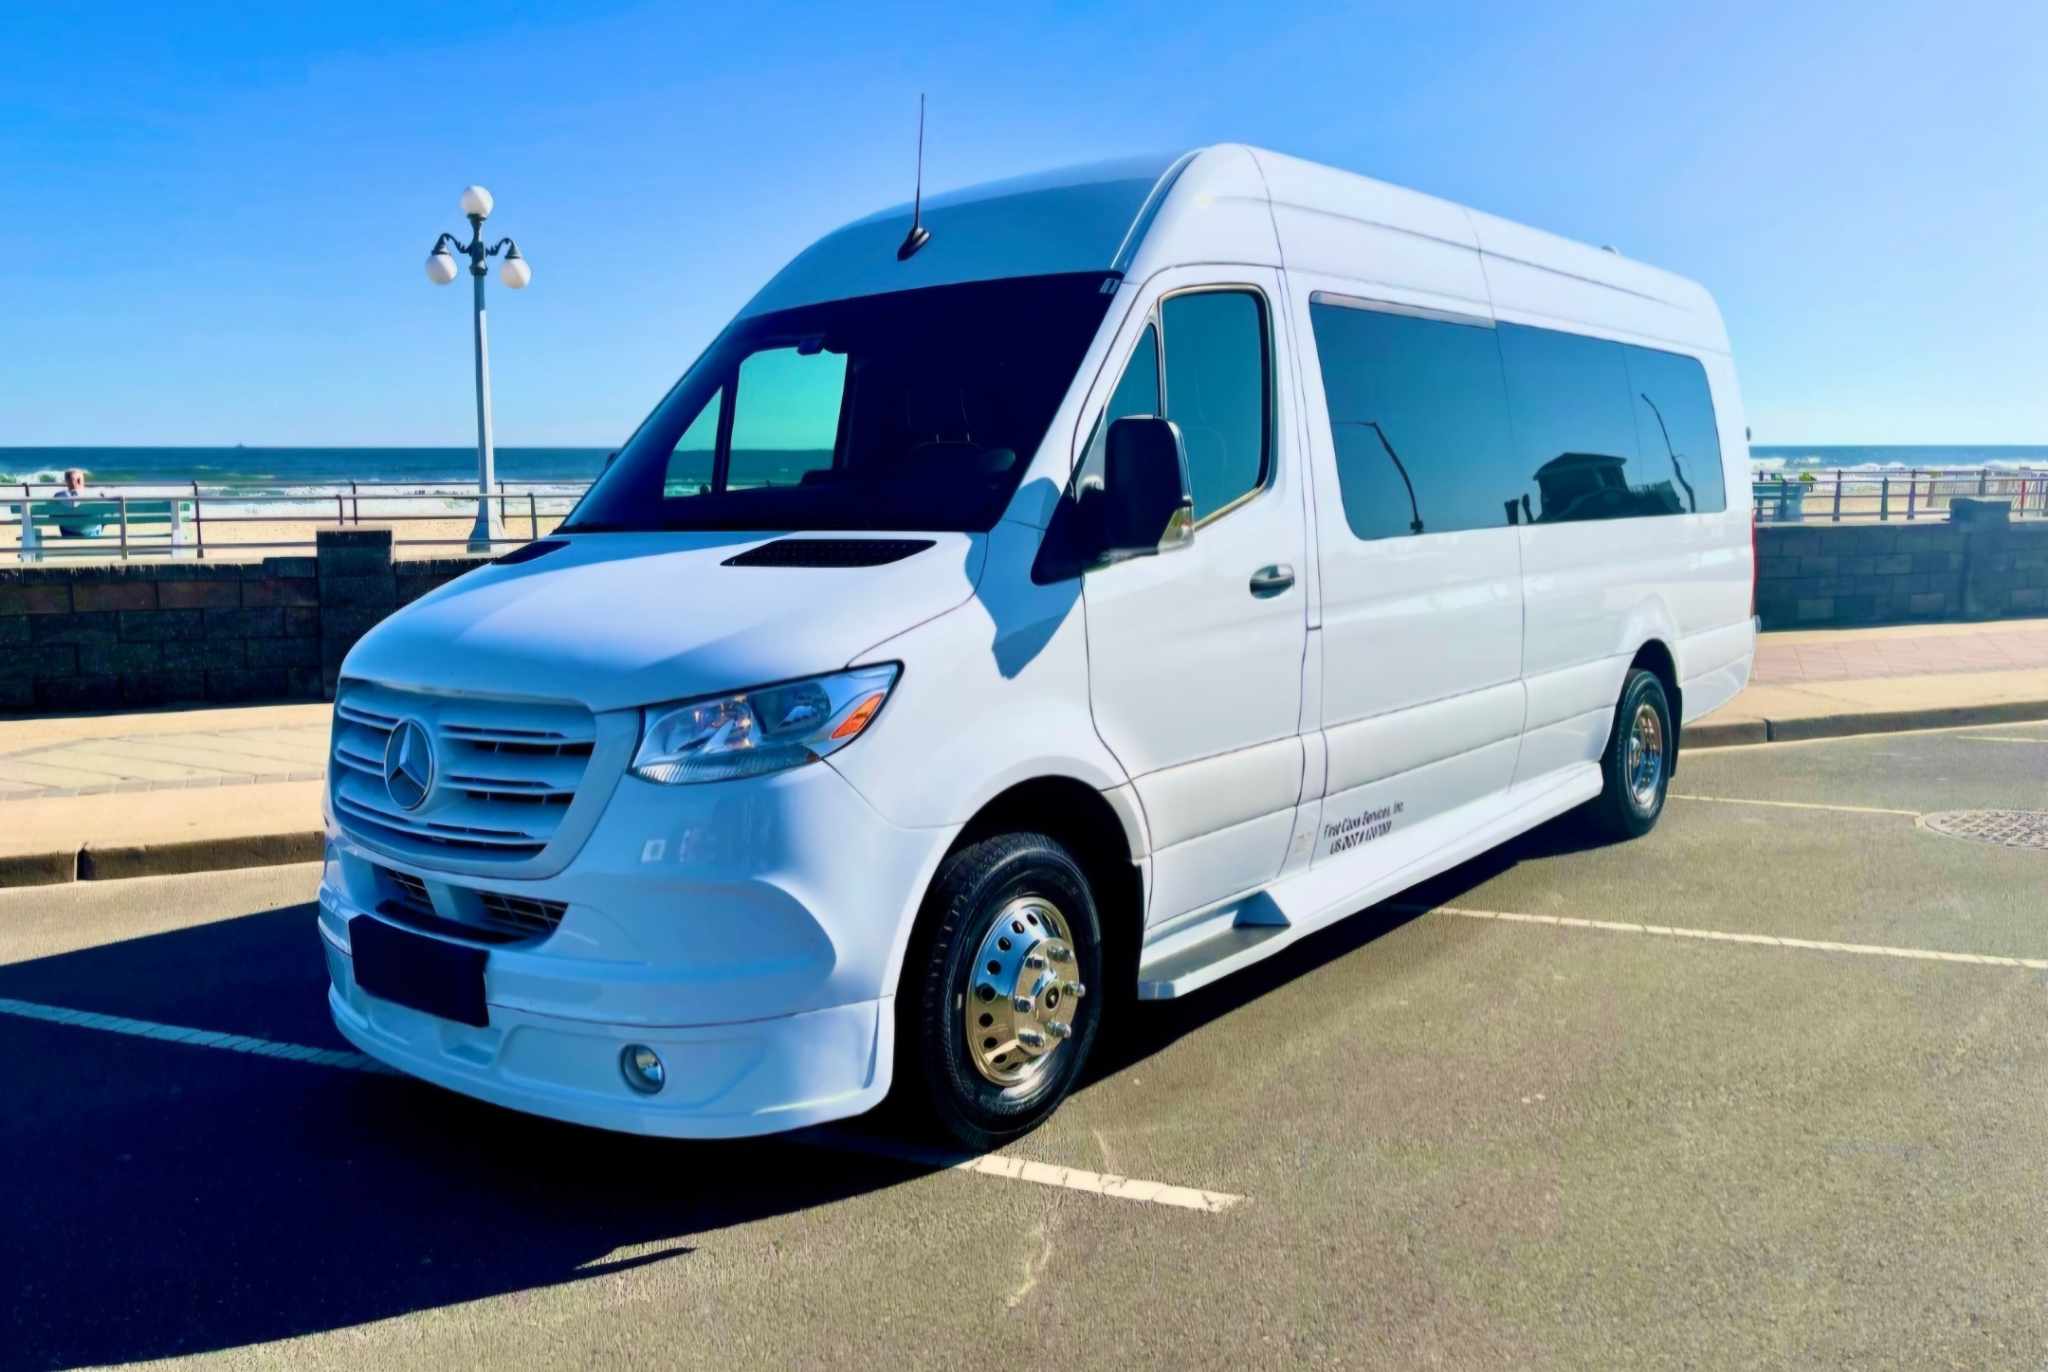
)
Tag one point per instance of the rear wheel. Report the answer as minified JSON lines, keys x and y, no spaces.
{"x":1636,"y":768}
{"x":997,"y":1015}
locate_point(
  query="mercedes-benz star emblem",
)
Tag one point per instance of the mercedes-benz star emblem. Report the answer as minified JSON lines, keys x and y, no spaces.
{"x":409,"y":765}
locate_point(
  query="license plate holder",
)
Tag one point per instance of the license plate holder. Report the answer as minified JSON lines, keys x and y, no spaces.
{"x":441,"y":979}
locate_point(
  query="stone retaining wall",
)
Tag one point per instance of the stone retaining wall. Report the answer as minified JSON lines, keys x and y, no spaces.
{"x":80,"y":638}
{"x":1812,"y":576}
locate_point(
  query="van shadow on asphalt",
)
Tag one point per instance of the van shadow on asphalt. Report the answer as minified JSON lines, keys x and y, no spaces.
{"x":165,"y":1200}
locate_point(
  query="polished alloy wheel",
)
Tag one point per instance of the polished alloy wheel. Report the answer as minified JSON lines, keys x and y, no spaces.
{"x":1021,"y":992}
{"x":1645,"y":757}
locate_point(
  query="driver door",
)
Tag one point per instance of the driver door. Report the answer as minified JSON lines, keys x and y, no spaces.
{"x":1195,"y":655}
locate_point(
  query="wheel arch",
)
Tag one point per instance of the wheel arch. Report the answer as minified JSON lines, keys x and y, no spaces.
{"x":1105,"y":839}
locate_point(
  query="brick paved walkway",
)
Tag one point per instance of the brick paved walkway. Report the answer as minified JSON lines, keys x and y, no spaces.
{"x":1856,"y":654}
{"x":164,"y":762}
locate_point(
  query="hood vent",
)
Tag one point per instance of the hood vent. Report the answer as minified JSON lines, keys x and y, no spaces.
{"x":829,"y":552}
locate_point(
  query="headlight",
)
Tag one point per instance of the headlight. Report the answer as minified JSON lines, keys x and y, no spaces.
{"x":763,"y":730}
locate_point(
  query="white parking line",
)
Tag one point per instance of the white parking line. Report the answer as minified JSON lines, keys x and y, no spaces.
{"x":1796,"y":805}
{"x":1023,"y":1169}
{"x":2000,"y":738}
{"x":1720,"y":936}
{"x":197,"y":1038}
{"x":836,"y":1140}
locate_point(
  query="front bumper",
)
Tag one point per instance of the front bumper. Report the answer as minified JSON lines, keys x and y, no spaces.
{"x":749,"y":932}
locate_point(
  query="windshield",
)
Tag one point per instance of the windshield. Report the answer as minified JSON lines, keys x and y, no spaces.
{"x":914,"y":410}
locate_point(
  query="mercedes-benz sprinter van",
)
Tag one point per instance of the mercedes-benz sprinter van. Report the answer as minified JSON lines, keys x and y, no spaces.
{"x":1073,"y":602}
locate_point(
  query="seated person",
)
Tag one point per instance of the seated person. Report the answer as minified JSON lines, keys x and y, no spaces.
{"x":85,"y":525}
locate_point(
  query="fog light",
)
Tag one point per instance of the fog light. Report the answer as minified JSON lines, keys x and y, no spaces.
{"x":642,"y":1068}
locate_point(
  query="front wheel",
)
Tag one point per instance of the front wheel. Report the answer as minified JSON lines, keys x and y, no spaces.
{"x":1636,"y":768}
{"x":998,"y":1008}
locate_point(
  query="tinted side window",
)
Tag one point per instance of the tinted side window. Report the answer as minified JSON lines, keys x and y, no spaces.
{"x":1418,"y":419}
{"x":1675,"y":431}
{"x":786,"y":419}
{"x":1137,"y":393}
{"x":1575,"y":431}
{"x":690,"y":465}
{"x":1217,"y":391}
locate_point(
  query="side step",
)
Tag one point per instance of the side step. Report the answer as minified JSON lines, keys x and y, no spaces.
{"x":1198,"y":964}
{"x":1256,"y":926}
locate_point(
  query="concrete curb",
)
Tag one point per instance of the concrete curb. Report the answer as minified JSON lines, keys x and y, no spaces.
{"x":118,"y":861}
{"x":1735,"y":732}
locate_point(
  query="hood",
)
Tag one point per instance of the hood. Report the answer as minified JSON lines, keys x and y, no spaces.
{"x":622,"y":620}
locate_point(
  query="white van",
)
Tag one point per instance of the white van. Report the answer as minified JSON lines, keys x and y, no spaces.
{"x":1142,"y":567}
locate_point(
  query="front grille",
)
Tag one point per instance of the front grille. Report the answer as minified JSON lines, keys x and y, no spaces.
{"x":473,"y":916}
{"x":504,"y":773}
{"x":410,"y":892}
{"x":521,"y":914}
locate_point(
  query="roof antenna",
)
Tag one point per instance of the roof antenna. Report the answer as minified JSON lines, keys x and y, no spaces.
{"x":919,"y":235}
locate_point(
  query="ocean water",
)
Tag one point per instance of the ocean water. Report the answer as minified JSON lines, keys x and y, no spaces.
{"x":1898,"y":457}
{"x":258,"y":471}
{"x":285,"y":471}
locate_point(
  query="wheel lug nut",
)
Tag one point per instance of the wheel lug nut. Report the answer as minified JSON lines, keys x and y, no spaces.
{"x":1024,"y":1005}
{"x":1058,"y":1030}
{"x":1059,"y":952}
{"x":1034,"y":962}
{"x":1031,"y":1038}
{"x":1076,"y":989}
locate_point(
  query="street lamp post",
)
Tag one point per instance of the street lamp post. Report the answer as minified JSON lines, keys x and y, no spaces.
{"x":515,"y":273}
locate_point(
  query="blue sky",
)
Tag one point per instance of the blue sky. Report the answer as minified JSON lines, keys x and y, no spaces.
{"x":212,"y":222}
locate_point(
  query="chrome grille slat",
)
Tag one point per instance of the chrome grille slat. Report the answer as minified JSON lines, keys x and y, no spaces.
{"x":506,"y":772}
{"x":350,"y":757}
{"x":356,"y":714}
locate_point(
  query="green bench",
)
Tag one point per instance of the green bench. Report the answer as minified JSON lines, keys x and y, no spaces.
{"x":89,"y":526}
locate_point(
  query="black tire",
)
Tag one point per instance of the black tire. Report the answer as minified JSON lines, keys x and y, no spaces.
{"x":937,"y":1077}
{"x":1626,"y":808}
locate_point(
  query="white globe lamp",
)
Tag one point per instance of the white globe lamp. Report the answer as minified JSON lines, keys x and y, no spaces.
{"x":515,"y":273}
{"x":476,"y":201}
{"x":441,"y":268}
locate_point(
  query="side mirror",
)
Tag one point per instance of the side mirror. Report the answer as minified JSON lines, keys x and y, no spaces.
{"x":609,"y":458}
{"x":1148,"y":506}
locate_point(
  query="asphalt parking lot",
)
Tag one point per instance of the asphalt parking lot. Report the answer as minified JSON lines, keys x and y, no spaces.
{"x":1724,"y":1096}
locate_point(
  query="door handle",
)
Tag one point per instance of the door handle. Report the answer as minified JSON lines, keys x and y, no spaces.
{"x":1271,"y":581}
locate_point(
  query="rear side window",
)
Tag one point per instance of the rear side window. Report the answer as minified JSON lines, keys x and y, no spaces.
{"x":1418,"y":420}
{"x":1675,"y":431}
{"x":1218,"y":391}
{"x":1440,"y":425}
{"x":1575,"y":431}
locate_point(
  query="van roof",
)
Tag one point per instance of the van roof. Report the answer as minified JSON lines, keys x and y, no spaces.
{"x":1232,"y":203}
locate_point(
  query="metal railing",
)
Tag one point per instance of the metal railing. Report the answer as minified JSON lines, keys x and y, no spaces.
{"x":1840,"y":497}
{"x":230,"y":513}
